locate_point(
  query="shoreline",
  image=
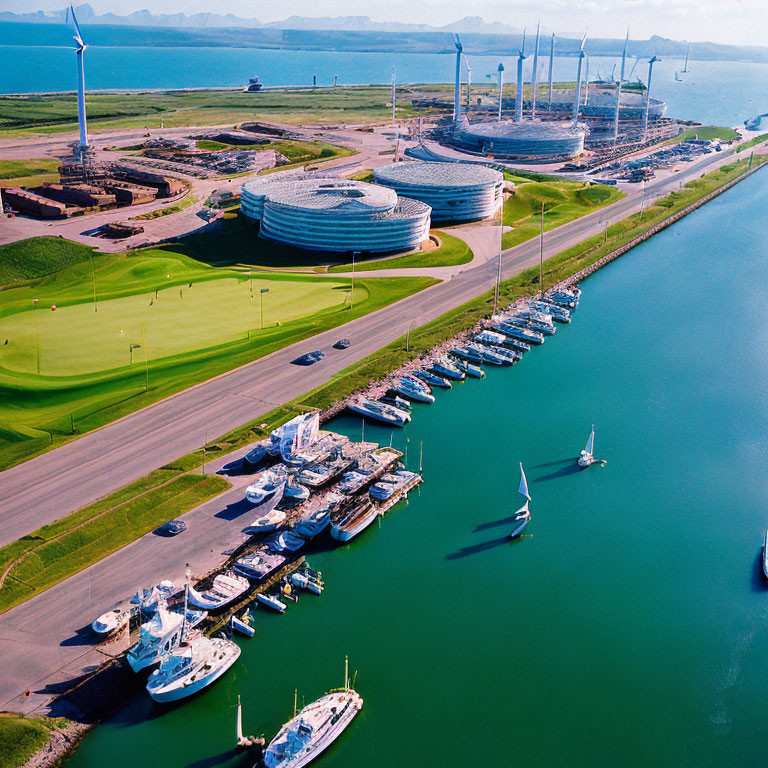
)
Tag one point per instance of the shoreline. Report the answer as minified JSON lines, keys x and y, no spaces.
{"x":90,"y":701}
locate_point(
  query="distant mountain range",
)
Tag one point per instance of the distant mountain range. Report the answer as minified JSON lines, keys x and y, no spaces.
{"x":341,"y":33}
{"x":86,"y":15}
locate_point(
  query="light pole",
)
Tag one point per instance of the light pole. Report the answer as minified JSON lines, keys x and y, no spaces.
{"x":93,"y":278}
{"x":352,"y":294}
{"x":261,"y":305}
{"x":37,"y":335}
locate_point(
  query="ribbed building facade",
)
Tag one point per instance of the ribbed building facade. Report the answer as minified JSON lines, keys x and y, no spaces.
{"x":330,"y":214}
{"x":454,"y":191}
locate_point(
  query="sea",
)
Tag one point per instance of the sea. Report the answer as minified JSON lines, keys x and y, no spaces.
{"x":39,"y":58}
{"x":629,"y":626}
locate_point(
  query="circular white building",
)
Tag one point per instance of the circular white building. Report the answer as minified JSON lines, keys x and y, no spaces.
{"x":330,"y":214}
{"x":534,"y":141}
{"x":454,"y":191}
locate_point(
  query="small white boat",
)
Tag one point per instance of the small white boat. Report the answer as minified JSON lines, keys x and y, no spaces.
{"x":765,"y":556}
{"x":192,"y":666}
{"x":445,"y":368}
{"x":373,"y":409}
{"x":242,"y":624}
{"x":271,"y":601}
{"x":313,"y":729}
{"x":225,"y":589}
{"x":259,"y":564}
{"x":267,"y":490}
{"x":413,"y":389}
{"x":432,"y":379}
{"x":587,"y":456}
{"x":308,"y":580}
{"x":269,"y":521}
{"x":111,"y":622}
{"x":148,"y":600}
{"x":523,"y":515}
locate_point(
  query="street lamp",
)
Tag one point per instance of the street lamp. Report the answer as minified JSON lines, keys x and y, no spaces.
{"x":261,"y":305}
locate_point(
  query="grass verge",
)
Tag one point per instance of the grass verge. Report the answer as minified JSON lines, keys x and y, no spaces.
{"x":21,"y":736}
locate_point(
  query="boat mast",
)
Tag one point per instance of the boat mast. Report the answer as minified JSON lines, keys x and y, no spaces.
{"x":295,"y":700}
{"x":346,"y":673}
{"x":541,"y":253}
{"x":184,"y":617}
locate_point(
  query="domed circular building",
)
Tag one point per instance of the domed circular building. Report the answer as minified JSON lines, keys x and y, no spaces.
{"x":330,"y":214}
{"x":530,"y":140}
{"x":454,"y":191}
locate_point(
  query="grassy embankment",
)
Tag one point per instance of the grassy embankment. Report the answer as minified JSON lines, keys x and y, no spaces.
{"x":56,"y":113}
{"x":298,"y":152}
{"x":360,"y":374}
{"x":28,"y":173}
{"x":159,"y":328}
{"x":21,"y":737}
{"x":707,"y":133}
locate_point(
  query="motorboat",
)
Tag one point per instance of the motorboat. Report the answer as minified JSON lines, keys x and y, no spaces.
{"x":354,"y":520}
{"x":111,"y":622}
{"x":521,"y":332}
{"x":259,"y":564}
{"x":242,"y":624}
{"x":322,"y":472}
{"x":475,"y":371}
{"x":384,"y":489}
{"x":468,"y":352}
{"x":286,"y":541}
{"x":255,"y":456}
{"x":147,"y":600}
{"x":510,"y":355}
{"x":313,"y":729}
{"x":267,"y":491}
{"x":587,"y":455}
{"x":269,"y":521}
{"x":447,"y":369}
{"x":295,"y":493}
{"x":313,"y":523}
{"x":432,"y":378}
{"x":351,"y":482}
{"x":308,"y":580}
{"x":391,"y":398}
{"x":378,"y":411}
{"x":563,"y":299}
{"x":191,"y":666}
{"x":559,"y":314}
{"x":295,"y":436}
{"x":414,"y":389}
{"x":490,"y":338}
{"x":542,"y":326}
{"x":157,"y":638}
{"x":523,"y":515}
{"x":765,"y":556}
{"x":225,"y":589}
{"x":271,"y":601}
{"x":492,"y":356}
{"x":516,"y":344}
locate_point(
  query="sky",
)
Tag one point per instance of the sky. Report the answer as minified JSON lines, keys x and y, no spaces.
{"x":742,"y":22}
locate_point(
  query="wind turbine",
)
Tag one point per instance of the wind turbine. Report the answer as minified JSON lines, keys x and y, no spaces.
{"x":618,"y":89}
{"x":79,"y":51}
{"x":457,"y":82}
{"x":501,"y":85}
{"x":469,"y":81}
{"x":577,"y":95}
{"x":535,"y":79}
{"x":519,"y":90}
{"x":551,"y":64}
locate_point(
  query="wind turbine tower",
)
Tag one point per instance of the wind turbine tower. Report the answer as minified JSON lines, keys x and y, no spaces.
{"x":586,"y":84}
{"x":618,"y":89}
{"x":577,"y":95}
{"x":457,"y":83}
{"x":469,"y":83}
{"x":535,"y":78}
{"x":519,"y":89}
{"x":648,"y":96}
{"x":81,"y":46}
{"x":501,"y":86}
{"x":551,"y":65}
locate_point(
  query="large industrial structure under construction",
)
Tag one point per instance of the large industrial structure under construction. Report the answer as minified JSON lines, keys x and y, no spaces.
{"x":556,"y":124}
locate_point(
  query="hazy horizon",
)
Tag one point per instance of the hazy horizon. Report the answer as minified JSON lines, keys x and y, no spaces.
{"x":743,"y":23}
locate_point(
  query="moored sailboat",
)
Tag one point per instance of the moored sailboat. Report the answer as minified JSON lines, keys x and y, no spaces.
{"x":523,"y":515}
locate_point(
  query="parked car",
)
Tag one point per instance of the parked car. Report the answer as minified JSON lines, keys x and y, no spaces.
{"x":342,"y":344}
{"x":172,"y":528}
{"x":309,"y":359}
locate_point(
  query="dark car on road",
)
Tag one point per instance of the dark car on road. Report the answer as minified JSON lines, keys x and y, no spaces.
{"x":309,"y":359}
{"x":172,"y":528}
{"x":342,"y":344}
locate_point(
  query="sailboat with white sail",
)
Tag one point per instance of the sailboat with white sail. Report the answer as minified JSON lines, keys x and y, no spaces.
{"x":587,"y":456}
{"x":523,"y":515}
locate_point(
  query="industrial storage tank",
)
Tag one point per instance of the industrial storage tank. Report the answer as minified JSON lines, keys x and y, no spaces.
{"x":529,"y":140}
{"x":331,"y":214}
{"x":454,"y":191}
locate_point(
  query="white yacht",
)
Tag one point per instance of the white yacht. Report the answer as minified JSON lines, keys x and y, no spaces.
{"x":258,"y":564}
{"x":192,"y":666}
{"x":444,"y":367}
{"x":354,"y":520}
{"x":225,"y":589}
{"x":377,"y":411}
{"x":157,"y":638}
{"x":587,"y":455}
{"x":313,"y":729}
{"x":413,"y":389}
{"x":271,"y":601}
{"x":523,"y":515}
{"x":267,"y":490}
{"x":111,"y":622}
{"x":269,"y":521}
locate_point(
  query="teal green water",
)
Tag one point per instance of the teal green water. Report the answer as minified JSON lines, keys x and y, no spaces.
{"x":630,"y":628}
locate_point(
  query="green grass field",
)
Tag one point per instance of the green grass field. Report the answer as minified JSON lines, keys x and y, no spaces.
{"x":162,"y":321}
{"x":21,"y":737}
{"x":20,"y":173}
{"x":563,"y":201}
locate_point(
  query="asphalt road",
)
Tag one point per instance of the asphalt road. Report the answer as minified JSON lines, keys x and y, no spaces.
{"x":59,"y":482}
